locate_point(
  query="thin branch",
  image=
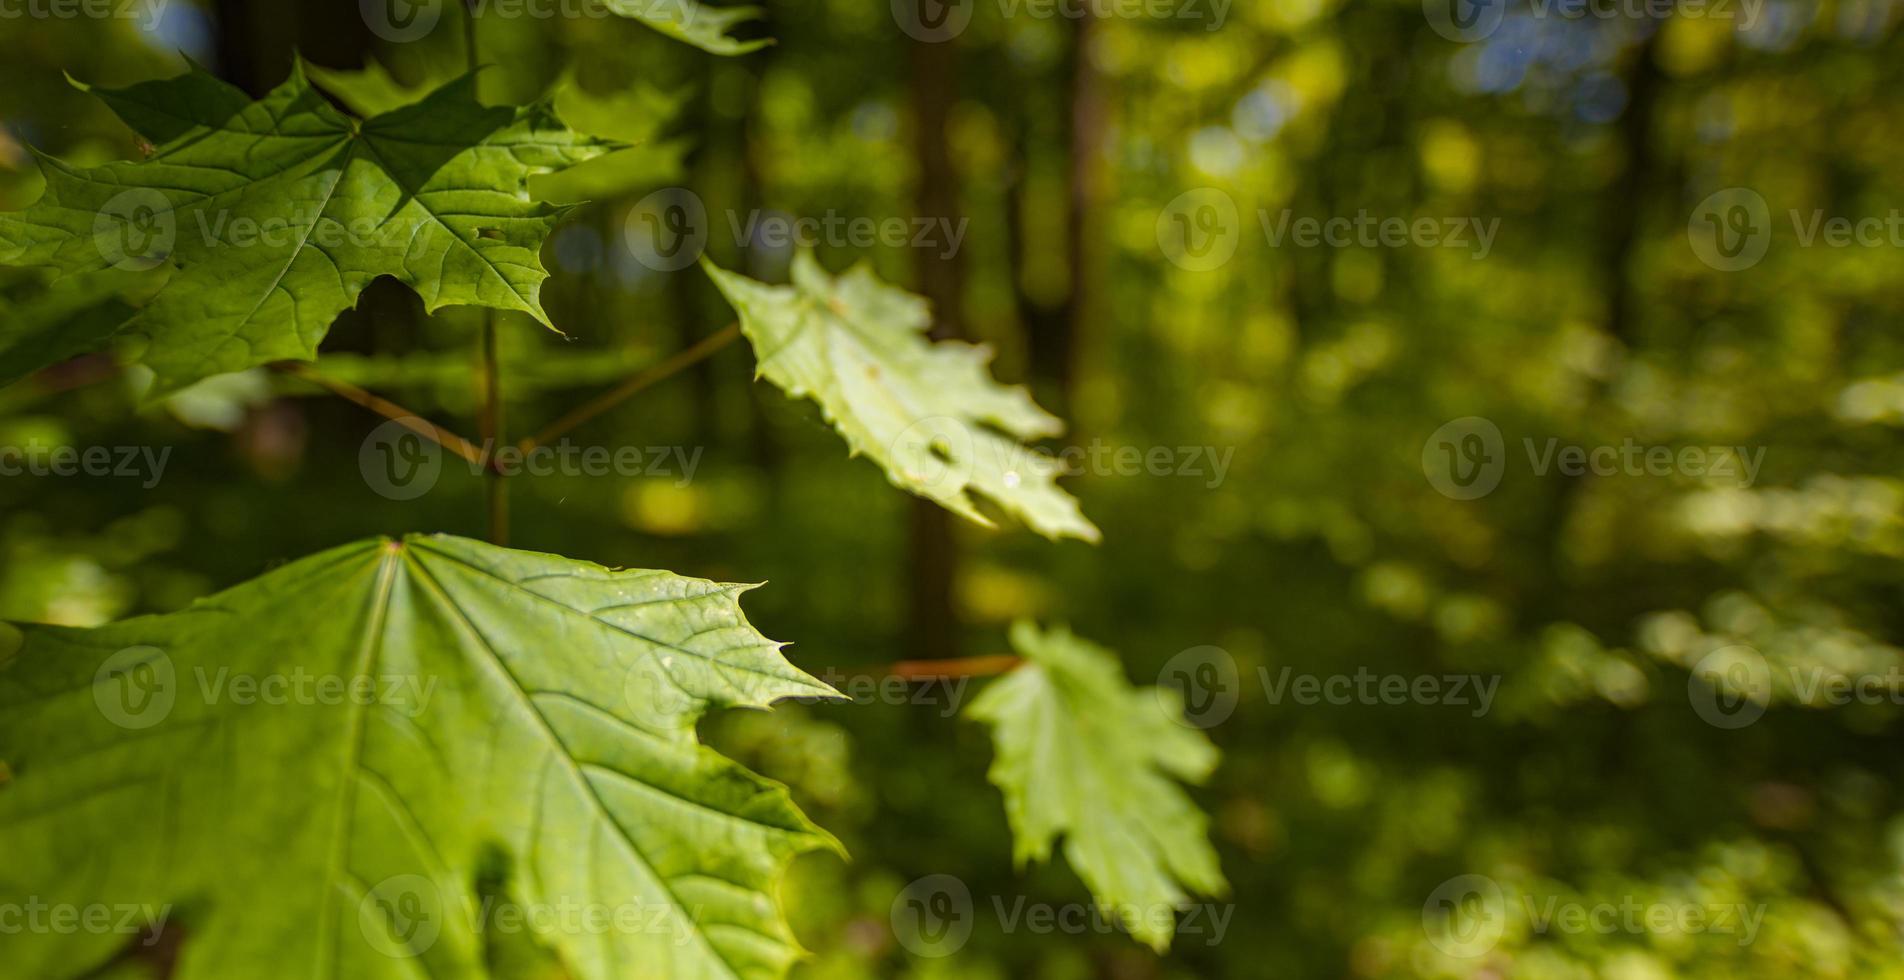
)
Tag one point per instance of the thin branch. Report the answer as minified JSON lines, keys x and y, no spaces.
{"x":386,"y":408}
{"x":489,"y":418}
{"x":469,"y":36}
{"x":496,"y":491}
{"x":955,"y":667}
{"x":633,"y":386}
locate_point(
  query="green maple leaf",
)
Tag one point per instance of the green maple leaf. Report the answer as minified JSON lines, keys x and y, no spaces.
{"x":1084,"y":755}
{"x":633,"y":117}
{"x":928,"y":413}
{"x":528,"y":732}
{"x":372,"y":90}
{"x":274,"y":215}
{"x":694,"y":22}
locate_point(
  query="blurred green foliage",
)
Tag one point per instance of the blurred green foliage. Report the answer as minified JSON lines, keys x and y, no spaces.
{"x":1323,"y":549}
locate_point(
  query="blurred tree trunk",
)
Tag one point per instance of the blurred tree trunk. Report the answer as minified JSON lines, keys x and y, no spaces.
{"x":237,"y":48}
{"x":933,"y":560}
{"x":1054,"y":330}
{"x":1626,"y":202}
{"x":697,"y":312}
{"x":1087,"y":123}
{"x":256,"y":40}
{"x":1629,"y":195}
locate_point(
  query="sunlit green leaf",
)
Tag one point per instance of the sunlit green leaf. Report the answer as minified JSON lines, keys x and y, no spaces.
{"x":692,"y":21}
{"x":275,"y":214}
{"x":326,"y":771}
{"x":928,"y":413}
{"x":1085,"y":756}
{"x":634,"y":117}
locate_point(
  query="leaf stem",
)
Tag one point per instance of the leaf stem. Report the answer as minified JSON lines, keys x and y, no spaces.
{"x":469,"y":34}
{"x":489,"y":420}
{"x":633,"y":386}
{"x":462,"y":447}
{"x":496,"y":490}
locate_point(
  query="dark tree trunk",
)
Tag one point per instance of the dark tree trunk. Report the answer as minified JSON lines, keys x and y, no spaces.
{"x":932,"y":565}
